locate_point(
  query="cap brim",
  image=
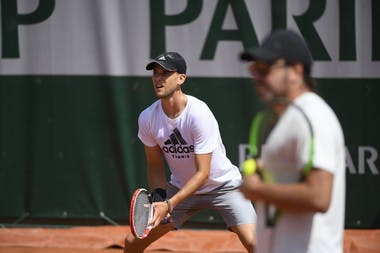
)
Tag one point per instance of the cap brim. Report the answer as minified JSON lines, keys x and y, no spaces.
{"x":166,"y":66}
{"x":258,"y":54}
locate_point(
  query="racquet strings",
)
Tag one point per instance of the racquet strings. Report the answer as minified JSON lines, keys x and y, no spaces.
{"x":142,"y":213}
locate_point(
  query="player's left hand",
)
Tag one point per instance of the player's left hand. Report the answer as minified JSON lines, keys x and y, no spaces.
{"x":161,"y":212}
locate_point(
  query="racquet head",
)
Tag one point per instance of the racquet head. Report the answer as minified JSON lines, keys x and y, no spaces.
{"x":141,"y":213}
{"x":261,"y":127}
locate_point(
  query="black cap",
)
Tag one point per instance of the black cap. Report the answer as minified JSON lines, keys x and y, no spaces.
{"x":171,"y":61}
{"x":281,"y":44}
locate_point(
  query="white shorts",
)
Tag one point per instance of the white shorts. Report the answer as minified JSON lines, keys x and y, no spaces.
{"x":227,"y":200}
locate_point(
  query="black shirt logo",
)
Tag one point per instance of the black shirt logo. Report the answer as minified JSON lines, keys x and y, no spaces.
{"x":177,"y":146}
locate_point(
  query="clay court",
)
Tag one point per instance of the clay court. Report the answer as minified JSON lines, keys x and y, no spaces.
{"x":109,"y":239}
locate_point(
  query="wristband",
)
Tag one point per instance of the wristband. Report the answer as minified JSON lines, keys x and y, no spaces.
{"x":170,"y":208}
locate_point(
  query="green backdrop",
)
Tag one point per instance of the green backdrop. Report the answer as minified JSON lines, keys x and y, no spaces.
{"x":69,"y":150}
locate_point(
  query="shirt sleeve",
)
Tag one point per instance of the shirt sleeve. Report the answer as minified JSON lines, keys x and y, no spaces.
{"x":205,"y":131}
{"x":328,"y":147}
{"x":325,"y":154}
{"x":144,"y":133}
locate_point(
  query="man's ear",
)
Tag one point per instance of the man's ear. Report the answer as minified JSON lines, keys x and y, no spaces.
{"x":181,"y":78}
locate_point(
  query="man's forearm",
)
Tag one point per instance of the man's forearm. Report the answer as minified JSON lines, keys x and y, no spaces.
{"x":194,"y":183}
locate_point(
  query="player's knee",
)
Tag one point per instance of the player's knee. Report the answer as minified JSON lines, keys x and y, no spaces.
{"x":249,"y":241}
{"x":250,"y":244}
{"x":131,"y":244}
{"x":246,"y":234}
{"x":129,"y":239}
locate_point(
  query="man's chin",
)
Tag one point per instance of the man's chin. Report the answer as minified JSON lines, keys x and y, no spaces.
{"x":161,"y":95}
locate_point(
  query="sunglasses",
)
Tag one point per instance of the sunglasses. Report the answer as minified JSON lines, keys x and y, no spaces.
{"x":260,"y":68}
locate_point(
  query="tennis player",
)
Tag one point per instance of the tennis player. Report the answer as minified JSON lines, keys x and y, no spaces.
{"x":182,"y":130}
{"x":310,"y":216}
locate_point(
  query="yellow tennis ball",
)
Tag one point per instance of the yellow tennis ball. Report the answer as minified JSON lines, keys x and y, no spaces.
{"x":249,"y":167}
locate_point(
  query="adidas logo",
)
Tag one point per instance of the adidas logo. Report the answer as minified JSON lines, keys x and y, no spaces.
{"x":162,"y":58}
{"x":177,"y":145}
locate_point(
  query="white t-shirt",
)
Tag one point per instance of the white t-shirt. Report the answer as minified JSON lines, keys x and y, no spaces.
{"x":285,"y":154}
{"x":194,"y":131}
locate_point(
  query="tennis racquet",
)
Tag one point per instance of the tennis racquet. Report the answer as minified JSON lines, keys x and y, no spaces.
{"x":261,"y":130}
{"x":141,"y":213}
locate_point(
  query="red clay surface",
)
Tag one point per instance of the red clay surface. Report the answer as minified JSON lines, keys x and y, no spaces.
{"x":110,"y":239}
